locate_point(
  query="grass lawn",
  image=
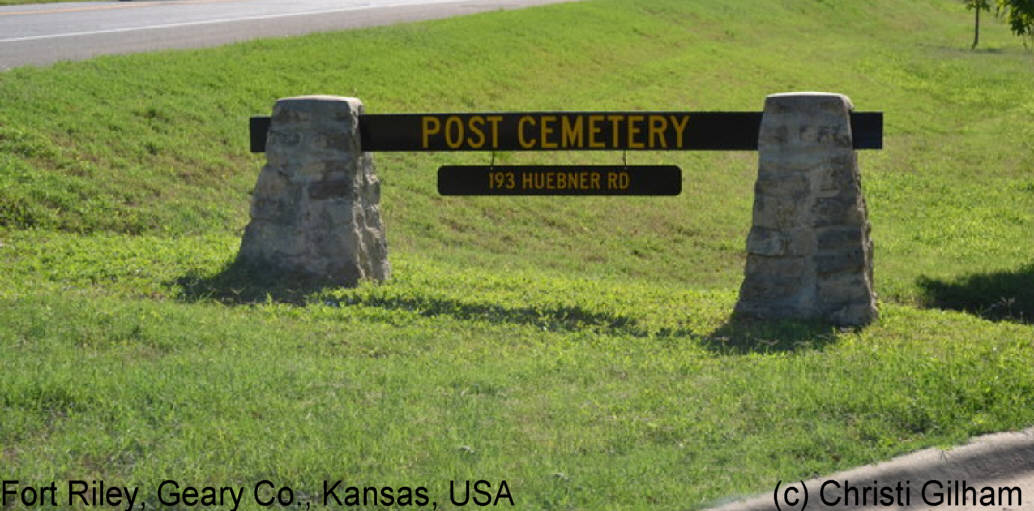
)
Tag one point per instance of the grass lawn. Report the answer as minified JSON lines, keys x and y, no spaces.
{"x":578,"y":348}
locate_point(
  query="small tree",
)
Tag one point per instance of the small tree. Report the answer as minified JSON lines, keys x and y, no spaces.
{"x":976,"y":6}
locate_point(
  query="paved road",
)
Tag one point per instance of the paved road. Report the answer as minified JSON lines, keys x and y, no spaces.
{"x":45,"y":33}
{"x":990,"y":473}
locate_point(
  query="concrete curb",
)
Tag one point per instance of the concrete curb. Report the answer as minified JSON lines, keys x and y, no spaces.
{"x":927,"y":479}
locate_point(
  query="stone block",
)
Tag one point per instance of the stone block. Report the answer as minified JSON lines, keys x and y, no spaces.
{"x":841,"y":209}
{"x":777,"y":212}
{"x":849,"y":260}
{"x":844,"y":289}
{"x":775,"y":242}
{"x":839,"y":238}
{"x":780,"y":183}
{"x":838,"y":168}
{"x":774,"y":279}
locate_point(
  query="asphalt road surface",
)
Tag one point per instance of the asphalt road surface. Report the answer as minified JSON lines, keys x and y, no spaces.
{"x":997,"y":467}
{"x":40,"y":34}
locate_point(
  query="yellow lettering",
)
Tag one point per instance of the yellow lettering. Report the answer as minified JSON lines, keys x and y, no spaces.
{"x":562,"y":181}
{"x":453,"y":122}
{"x":595,"y":129}
{"x":585,"y":180}
{"x":680,"y":130}
{"x":476,"y":123}
{"x":495,"y":120}
{"x":615,"y":122}
{"x":658,"y":124}
{"x":571,"y":134}
{"x":527,"y":181}
{"x":618,"y":180}
{"x":624,"y":180}
{"x":547,"y":130}
{"x":550,"y":180}
{"x":527,"y":119}
{"x":429,"y":126}
{"x":595,"y":180}
{"x":634,"y":130}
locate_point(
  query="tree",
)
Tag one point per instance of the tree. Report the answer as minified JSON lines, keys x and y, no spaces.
{"x":1020,"y":16}
{"x":976,"y":6}
{"x":1018,"y":13}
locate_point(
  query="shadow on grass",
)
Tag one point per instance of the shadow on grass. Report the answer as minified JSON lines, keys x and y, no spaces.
{"x":242,"y":284}
{"x":964,"y":50}
{"x":552,"y":318}
{"x":742,"y":335}
{"x":992,"y":51}
{"x":997,"y":296}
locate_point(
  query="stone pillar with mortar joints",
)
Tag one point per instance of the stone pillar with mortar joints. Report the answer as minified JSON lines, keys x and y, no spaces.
{"x":809,"y":255}
{"x":315,"y":210}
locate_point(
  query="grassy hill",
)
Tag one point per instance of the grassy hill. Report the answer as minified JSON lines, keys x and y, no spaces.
{"x":579,"y":348}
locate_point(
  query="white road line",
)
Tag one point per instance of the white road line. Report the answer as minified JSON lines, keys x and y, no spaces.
{"x":206,"y":22}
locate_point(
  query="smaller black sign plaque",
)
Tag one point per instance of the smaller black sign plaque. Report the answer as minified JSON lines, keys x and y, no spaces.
{"x":560,"y":180}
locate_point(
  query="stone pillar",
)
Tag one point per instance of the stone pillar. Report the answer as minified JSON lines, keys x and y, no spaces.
{"x":809,"y":255}
{"x":315,"y":210}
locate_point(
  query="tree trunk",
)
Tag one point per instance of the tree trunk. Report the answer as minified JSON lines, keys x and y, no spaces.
{"x":976,"y":29}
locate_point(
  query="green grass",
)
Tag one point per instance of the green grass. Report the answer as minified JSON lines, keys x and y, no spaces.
{"x":24,"y":2}
{"x":579,"y":348}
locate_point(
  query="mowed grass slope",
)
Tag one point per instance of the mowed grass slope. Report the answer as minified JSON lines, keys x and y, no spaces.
{"x":579,"y":348}
{"x":22,"y":2}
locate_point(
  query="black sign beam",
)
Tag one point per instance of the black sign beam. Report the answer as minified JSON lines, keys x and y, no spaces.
{"x":560,"y":180}
{"x":258,"y":128}
{"x":572,"y":131}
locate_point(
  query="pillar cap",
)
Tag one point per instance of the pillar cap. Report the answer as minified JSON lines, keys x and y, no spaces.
{"x":320,"y":97}
{"x":316,"y":106}
{"x":811,"y":95}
